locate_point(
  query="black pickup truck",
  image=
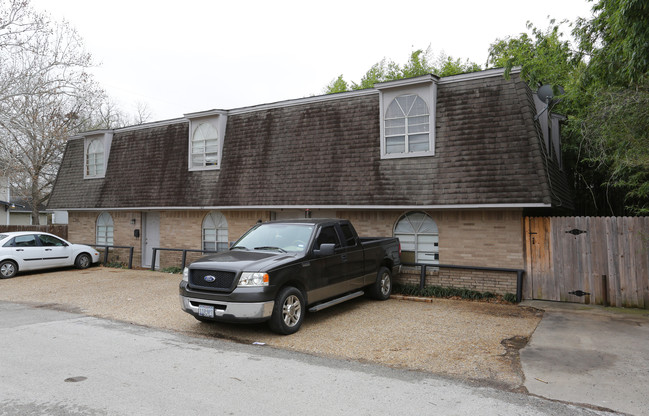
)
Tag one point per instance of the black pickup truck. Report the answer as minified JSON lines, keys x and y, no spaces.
{"x":278,"y":269}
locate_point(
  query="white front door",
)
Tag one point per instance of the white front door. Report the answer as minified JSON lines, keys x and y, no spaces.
{"x":151,"y":238}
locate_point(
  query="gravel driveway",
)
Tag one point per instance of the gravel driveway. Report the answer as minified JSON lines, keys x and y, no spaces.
{"x":472,"y":341}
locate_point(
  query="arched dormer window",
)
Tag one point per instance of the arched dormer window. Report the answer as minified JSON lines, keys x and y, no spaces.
{"x":408,"y":108}
{"x":95,"y":158}
{"x":215,"y":232}
{"x":104,"y":229}
{"x":204,"y":146}
{"x":407,"y":125}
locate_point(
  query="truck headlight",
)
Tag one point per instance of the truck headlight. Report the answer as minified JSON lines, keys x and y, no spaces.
{"x":253,"y":279}
{"x":186,"y":274}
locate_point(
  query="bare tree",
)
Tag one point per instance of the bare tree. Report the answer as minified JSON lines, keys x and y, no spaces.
{"x":46,"y":94}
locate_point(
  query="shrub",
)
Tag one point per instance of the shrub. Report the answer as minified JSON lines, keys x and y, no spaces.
{"x":510,"y":297}
{"x":441,"y":292}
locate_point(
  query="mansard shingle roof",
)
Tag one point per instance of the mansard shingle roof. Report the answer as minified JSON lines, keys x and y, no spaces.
{"x":317,"y":153}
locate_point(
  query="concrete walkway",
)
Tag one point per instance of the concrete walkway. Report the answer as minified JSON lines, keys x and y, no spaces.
{"x":590,"y":354}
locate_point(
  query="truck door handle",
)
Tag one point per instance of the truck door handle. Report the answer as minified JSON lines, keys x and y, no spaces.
{"x":343,"y":257}
{"x":20,"y":249}
{"x":48,"y":249}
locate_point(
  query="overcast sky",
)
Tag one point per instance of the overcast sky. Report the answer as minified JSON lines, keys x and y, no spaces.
{"x":185,"y":56}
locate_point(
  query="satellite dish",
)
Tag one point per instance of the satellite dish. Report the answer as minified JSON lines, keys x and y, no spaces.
{"x":545,"y":93}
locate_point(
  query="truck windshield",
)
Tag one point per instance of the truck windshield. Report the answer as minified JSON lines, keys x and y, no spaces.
{"x":276,"y":237}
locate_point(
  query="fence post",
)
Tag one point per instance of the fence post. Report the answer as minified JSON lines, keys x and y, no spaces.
{"x":422,"y":277}
{"x":182,"y":266}
{"x":130,"y":258}
{"x":153,"y":259}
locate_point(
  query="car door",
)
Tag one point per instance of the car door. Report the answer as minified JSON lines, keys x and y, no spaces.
{"x":327,"y":272}
{"x":56,"y":252}
{"x":353,"y":258}
{"x":27,"y":251}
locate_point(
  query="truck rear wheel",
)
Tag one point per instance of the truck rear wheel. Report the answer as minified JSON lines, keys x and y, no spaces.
{"x":288,"y":312}
{"x":382,"y":288}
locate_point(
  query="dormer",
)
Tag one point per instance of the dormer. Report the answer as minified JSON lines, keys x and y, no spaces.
{"x":551,"y":129}
{"x":407,"y":109}
{"x":205,"y":141}
{"x":96,"y":149}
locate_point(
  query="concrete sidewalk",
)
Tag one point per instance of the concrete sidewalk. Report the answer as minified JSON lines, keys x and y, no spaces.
{"x":590,"y":354}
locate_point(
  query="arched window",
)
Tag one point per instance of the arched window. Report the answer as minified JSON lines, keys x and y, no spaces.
{"x":205,"y":146}
{"x":419,"y":238}
{"x":407,"y":125}
{"x":95,"y":158}
{"x":104,"y":229}
{"x":215,"y":232}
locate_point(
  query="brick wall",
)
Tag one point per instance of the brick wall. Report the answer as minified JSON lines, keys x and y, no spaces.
{"x":178,"y":229}
{"x":468,"y":238}
{"x":478,"y":280}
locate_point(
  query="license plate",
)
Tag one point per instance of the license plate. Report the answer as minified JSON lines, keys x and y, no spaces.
{"x":206,"y":311}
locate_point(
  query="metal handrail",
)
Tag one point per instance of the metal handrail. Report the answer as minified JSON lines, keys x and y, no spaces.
{"x":184,"y":251}
{"x":519,"y":274}
{"x":107,"y":247}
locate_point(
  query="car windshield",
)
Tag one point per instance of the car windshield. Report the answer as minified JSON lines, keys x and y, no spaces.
{"x":292,"y":238}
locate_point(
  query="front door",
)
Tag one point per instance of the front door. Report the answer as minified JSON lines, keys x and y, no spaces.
{"x":151,"y":238}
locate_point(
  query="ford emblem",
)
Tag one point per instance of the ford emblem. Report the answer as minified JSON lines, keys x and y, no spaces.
{"x":209,"y":278}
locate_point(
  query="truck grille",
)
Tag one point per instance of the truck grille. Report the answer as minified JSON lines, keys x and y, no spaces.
{"x":211,"y":279}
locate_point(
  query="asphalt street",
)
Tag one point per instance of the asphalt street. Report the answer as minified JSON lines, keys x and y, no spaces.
{"x":60,"y":363}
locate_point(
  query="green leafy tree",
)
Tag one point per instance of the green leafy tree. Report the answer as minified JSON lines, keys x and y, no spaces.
{"x":604,"y":72}
{"x":420,"y":62}
{"x":545,"y":56}
{"x":616,"y":41}
{"x":337,"y":85}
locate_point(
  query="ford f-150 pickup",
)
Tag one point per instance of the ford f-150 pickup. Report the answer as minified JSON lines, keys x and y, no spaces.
{"x":278,"y":269}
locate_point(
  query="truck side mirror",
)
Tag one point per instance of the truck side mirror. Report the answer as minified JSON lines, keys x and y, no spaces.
{"x":326,"y":249}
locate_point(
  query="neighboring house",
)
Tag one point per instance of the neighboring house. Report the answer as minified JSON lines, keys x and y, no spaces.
{"x":21,"y":214}
{"x":449,"y":165}
{"x":14,"y":211}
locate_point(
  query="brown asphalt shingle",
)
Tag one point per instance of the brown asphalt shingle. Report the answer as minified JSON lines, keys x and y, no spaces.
{"x":324,"y":153}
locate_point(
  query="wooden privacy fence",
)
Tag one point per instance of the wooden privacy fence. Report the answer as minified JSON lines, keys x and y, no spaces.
{"x":594,"y":260}
{"x":60,"y":230}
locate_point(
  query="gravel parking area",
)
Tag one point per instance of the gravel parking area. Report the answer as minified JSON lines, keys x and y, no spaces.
{"x":473,"y":341}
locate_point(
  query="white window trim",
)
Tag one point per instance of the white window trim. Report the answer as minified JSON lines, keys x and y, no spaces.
{"x":216,"y":119}
{"x":106,"y":138}
{"x":426,"y":88}
{"x":416,"y":234}
{"x":109,"y":225}
{"x":224,"y":226}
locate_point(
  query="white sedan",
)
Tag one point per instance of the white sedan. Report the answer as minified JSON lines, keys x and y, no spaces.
{"x":32,"y":250}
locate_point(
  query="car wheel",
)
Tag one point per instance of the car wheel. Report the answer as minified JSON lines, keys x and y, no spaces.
{"x":83,"y":261}
{"x":288,"y":311}
{"x":8,"y":269}
{"x":382,"y":288}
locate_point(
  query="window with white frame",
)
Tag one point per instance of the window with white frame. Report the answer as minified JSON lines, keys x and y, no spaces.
{"x":105,"y":228}
{"x":407,"y":125}
{"x":215,"y":232}
{"x":417,"y":232}
{"x":94,"y":158}
{"x":204,"y":146}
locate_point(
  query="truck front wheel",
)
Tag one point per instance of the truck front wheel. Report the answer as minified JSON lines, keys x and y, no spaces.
{"x":288,"y":311}
{"x":382,"y":288}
